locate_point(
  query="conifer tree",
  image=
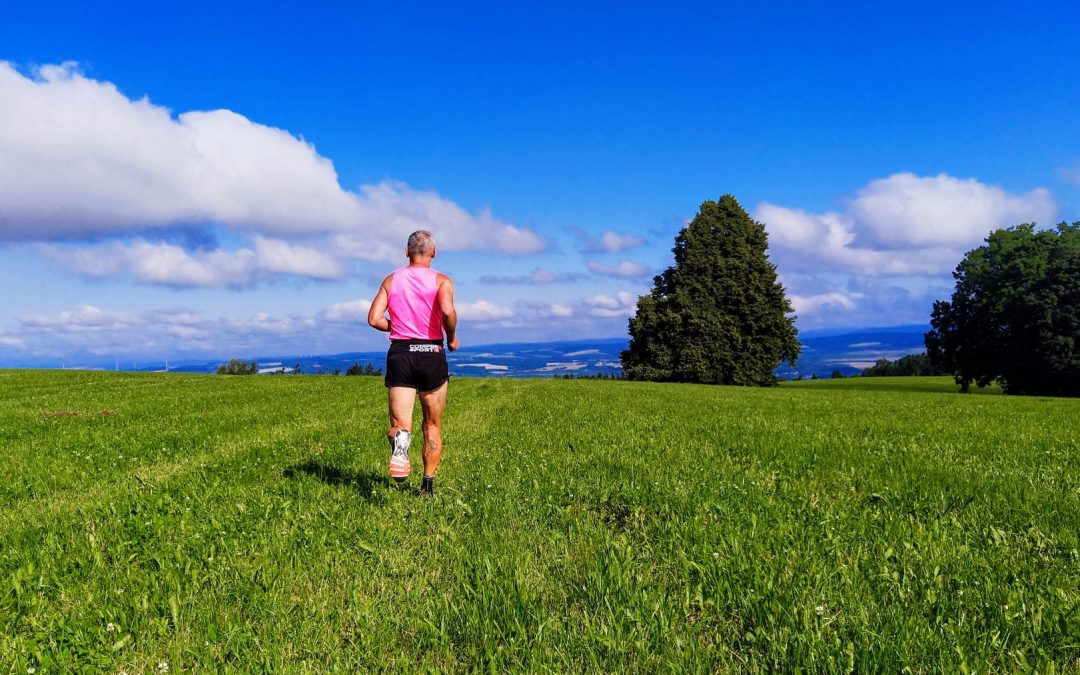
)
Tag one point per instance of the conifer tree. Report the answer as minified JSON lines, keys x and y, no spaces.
{"x":718,"y":316}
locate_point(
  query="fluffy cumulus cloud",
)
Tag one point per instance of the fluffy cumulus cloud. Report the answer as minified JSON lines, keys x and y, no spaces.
{"x":557,"y":311}
{"x":351,"y":311}
{"x":812,"y":304}
{"x":167,"y":264}
{"x":80,"y":160}
{"x":482,"y":310}
{"x":900,"y":227}
{"x":621,"y":304}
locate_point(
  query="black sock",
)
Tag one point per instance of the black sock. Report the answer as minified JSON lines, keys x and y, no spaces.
{"x":427,"y":486}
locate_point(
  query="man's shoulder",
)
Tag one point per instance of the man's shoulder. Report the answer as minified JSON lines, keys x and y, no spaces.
{"x":443,"y":278}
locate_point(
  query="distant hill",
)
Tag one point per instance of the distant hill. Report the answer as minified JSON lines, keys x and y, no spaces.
{"x":823,"y":352}
{"x":852,"y":350}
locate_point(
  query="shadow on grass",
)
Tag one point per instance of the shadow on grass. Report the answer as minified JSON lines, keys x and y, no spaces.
{"x":369,"y":485}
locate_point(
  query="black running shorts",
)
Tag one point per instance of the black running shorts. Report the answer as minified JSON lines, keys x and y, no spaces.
{"x":417,"y":364}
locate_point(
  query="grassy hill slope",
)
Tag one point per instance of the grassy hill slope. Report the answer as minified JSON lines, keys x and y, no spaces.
{"x":246,"y":522}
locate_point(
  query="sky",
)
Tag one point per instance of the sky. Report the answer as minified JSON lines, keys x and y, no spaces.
{"x":192,"y":180}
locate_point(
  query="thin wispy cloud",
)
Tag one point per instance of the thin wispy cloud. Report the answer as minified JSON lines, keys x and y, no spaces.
{"x":625,"y":269}
{"x":538,"y":277}
{"x":91,"y":331}
{"x":1070,"y":174}
{"x":611,"y":242}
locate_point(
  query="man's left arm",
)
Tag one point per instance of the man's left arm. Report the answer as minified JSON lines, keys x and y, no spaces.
{"x":445,"y":299}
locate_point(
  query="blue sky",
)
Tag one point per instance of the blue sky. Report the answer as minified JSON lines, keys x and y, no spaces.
{"x":198,"y":180}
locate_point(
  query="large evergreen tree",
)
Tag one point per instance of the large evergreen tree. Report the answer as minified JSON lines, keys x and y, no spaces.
{"x":718,"y":316}
{"x":1014,"y":316}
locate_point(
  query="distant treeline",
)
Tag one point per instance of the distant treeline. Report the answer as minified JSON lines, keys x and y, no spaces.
{"x":593,"y":376}
{"x":912,"y":364}
{"x":238,"y":367}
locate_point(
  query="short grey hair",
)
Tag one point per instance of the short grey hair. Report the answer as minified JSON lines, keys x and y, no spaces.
{"x":421,"y":243}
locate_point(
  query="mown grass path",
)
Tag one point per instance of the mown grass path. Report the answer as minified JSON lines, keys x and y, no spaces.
{"x":246,"y":524}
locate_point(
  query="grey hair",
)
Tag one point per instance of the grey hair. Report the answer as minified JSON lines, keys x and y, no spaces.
{"x":421,"y":243}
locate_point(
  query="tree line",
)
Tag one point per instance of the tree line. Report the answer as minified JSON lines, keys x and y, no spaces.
{"x":241,"y":367}
{"x":719,"y":315}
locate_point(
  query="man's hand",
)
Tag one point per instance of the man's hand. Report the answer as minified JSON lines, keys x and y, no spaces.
{"x":452,"y":344}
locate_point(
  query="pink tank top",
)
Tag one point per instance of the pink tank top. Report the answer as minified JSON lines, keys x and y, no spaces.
{"x":414,"y":314}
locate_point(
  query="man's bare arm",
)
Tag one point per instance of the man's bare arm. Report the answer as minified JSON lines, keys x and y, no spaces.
{"x":445,"y":299}
{"x":376,"y":316}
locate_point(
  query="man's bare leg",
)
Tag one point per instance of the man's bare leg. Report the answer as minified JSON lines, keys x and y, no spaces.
{"x":433,"y":403}
{"x":401,"y":400}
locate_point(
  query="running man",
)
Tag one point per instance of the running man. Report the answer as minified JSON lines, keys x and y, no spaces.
{"x":421,"y":306}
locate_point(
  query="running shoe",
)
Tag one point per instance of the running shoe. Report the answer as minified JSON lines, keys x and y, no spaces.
{"x":399,"y":456}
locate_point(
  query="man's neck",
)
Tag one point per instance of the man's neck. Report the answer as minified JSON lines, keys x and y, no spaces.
{"x":419,"y":262}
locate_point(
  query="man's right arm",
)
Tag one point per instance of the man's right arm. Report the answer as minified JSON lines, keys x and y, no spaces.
{"x":445,"y":299}
{"x":376,"y":316}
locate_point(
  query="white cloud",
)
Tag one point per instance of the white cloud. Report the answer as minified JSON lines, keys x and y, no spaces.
{"x":166,"y":264}
{"x":85,"y":318}
{"x":900,"y":225}
{"x":80,"y":159}
{"x":626,"y":269}
{"x":612,"y":242}
{"x":558,"y":311}
{"x":275,"y":255}
{"x":622,"y":304}
{"x":15,"y":342}
{"x":158,"y":263}
{"x":538,"y":277}
{"x":90,"y":332}
{"x":905,"y":211}
{"x":482,"y":310}
{"x":806,"y":305}
{"x":352,"y":311}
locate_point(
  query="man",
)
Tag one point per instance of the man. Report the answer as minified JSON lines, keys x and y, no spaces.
{"x":421,"y":306}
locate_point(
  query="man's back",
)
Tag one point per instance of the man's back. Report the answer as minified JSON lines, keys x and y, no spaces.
{"x":412,"y":302}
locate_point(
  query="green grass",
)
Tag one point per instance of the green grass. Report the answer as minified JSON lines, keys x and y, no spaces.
{"x":245,"y":524}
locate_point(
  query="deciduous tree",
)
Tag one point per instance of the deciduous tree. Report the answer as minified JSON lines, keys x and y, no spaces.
{"x":1014,"y":316}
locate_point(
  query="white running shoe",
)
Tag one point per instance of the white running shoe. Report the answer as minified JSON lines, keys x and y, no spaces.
{"x":399,"y":456}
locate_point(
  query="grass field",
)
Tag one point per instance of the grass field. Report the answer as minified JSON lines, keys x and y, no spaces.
{"x":152,"y":522}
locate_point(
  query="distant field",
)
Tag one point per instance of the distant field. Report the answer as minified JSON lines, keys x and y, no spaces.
{"x":245,"y":523}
